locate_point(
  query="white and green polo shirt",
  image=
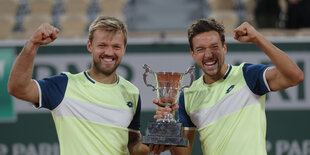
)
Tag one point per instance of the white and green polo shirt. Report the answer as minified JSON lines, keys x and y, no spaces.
{"x":91,"y":117}
{"x":230,"y":113}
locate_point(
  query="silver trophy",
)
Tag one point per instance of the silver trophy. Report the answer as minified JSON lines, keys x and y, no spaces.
{"x":168,"y":85}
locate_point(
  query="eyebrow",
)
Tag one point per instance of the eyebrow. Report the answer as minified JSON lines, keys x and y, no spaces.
{"x":103,"y":42}
{"x":199,"y":47}
{"x":209,"y":46}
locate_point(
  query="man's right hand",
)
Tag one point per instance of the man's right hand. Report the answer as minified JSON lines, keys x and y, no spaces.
{"x":45,"y":34}
{"x":162,"y":111}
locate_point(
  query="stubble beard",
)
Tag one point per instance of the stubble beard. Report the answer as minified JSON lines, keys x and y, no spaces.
{"x":104,"y":71}
{"x":217,"y":72}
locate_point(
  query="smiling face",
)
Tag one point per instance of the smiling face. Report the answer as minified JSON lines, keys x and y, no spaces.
{"x":107,"y":49}
{"x":209,"y":53}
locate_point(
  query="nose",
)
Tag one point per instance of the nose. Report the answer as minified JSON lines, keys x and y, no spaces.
{"x":108,"y":51}
{"x":208,"y":53}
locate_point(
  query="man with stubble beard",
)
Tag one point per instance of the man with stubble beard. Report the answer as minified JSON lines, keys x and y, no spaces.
{"x":95,"y":111}
{"x":226,"y":105}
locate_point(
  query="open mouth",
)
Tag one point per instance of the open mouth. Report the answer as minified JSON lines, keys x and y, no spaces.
{"x":108,"y":60}
{"x":210,"y":63}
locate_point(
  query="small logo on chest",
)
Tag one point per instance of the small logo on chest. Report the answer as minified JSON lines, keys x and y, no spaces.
{"x":129,"y":104}
{"x":229,"y":89}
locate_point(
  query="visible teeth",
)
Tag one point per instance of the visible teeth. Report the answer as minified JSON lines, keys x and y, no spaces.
{"x":210,"y":63}
{"x":108,"y":60}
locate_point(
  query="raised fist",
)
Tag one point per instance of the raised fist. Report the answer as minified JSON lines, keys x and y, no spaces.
{"x":45,"y":34}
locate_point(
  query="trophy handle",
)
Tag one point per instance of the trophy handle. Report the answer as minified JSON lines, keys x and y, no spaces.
{"x":190,"y":71}
{"x":147,"y":70}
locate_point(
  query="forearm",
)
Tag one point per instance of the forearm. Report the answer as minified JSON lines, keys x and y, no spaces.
{"x":286,"y":73}
{"x":21,"y":72}
{"x":190,"y":135}
{"x":138,"y":149}
{"x":284,"y":64}
{"x":180,"y":151}
{"x":135,"y":145}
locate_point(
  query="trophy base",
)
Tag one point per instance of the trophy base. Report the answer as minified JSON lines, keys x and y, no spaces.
{"x":177,"y":141}
{"x":165,"y":133}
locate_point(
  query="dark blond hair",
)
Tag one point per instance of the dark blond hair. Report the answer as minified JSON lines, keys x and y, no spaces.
{"x":205,"y":25}
{"x":109,"y":24}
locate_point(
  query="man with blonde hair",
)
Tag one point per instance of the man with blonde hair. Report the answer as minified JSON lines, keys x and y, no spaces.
{"x":95,"y":111}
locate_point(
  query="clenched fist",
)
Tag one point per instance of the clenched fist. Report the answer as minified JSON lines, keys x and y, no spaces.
{"x":45,"y":34}
{"x":246,"y":33}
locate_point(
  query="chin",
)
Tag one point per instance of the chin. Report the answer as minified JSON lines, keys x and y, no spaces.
{"x":211,"y":73}
{"x":108,"y":72}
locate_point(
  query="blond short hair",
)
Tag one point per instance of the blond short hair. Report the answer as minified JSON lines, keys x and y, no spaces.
{"x":109,"y":24}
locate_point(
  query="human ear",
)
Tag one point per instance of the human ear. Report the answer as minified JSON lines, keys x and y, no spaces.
{"x":89,"y":47}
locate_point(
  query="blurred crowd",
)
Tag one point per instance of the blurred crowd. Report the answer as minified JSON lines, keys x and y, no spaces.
{"x":19,"y":18}
{"x":289,"y":14}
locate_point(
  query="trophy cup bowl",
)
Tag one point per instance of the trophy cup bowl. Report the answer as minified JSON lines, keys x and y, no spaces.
{"x":168,"y":85}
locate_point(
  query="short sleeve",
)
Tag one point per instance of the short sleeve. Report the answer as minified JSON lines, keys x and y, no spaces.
{"x":52,"y":90}
{"x":254,"y":75}
{"x":135,"y":123}
{"x":182,"y":115}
